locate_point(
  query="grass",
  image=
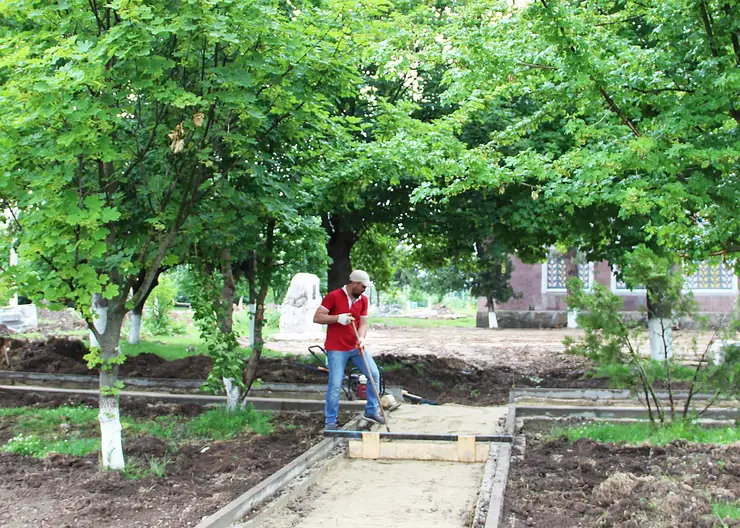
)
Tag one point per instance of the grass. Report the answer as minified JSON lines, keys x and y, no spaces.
{"x":463,"y":322}
{"x":640,"y":433}
{"x":393,"y":366}
{"x":168,"y":348}
{"x":727,"y":510}
{"x":73,"y":430}
{"x":38,"y":447}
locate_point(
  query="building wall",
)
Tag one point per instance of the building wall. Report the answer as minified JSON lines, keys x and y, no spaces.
{"x":530,"y":285}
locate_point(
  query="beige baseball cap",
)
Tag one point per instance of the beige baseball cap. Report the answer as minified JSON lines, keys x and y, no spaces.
{"x":360,"y":276}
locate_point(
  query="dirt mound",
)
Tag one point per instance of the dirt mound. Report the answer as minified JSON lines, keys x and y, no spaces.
{"x":592,"y":484}
{"x":52,"y":355}
{"x":442,"y":379}
{"x":153,"y":366}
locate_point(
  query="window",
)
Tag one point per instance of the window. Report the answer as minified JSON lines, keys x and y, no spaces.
{"x":619,"y":286}
{"x":712,"y":277}
{"x":555,"y":276}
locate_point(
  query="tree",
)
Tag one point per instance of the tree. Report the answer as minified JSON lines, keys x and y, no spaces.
{"x":121,"y":119}
{"x":389,"y":148}
{"x":620,"y":119}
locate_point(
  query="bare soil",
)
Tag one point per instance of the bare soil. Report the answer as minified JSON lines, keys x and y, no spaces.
{"x":469,"y":366}
{"x":590,"y":484}
{"x":554,"y":485}
{"x":66,"y":491}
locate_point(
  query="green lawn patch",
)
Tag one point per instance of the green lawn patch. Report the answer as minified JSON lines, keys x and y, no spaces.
{"x":168,"y":348}
{"x":74,"y":430}
{"x":640,"y":433}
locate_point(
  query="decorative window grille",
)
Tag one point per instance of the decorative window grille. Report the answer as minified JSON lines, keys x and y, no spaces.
{"x":584,"y":273}
{"x":557,"y":276}
{"x":711,"y":277}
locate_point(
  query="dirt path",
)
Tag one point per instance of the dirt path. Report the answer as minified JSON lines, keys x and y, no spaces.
{"x":518,"y":349}
{"x":525,"y":350}
{"x":399,"y":494}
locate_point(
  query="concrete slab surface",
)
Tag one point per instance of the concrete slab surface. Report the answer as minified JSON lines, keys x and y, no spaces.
{"x":395,"y":493}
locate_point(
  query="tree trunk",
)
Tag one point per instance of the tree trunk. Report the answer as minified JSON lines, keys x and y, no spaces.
{"x":492,"y":319}
{"x":251,"y":274}
{"x":571,"y":271}
{"x":227,"y":293}
{"x":100,"y":317}
{"x":338,"y":247}
{"x":259,"y":316}
{"x":232,"y":394}
{"x":660,"y":331}
{"x":111,"y":447}
{"x":134,"y":334}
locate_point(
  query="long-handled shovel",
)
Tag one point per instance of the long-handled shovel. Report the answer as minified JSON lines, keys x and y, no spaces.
{"x":370,"y":375}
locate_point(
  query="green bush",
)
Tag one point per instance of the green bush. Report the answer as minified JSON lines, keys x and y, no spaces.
{"x":157,"y":319}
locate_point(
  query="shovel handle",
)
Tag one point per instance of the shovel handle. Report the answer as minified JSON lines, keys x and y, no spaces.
{"x":372,"y":380}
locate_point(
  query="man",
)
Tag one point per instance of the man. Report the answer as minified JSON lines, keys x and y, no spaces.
{"x":339,"y":310}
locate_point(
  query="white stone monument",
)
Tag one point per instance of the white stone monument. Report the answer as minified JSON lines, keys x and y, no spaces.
{"x":18,"y":317}
{"x":298,"y":308}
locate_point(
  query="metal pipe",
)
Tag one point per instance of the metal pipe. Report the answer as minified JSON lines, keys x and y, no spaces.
{"x":438,"y":437}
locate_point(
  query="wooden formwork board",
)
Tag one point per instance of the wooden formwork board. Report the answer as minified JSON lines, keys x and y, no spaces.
{"x":464,"y":449}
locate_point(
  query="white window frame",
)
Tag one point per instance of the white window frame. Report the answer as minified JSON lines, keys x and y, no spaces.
{"x":619,"y":291}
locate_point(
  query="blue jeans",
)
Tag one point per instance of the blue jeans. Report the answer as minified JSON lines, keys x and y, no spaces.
{"x":337,"y":361}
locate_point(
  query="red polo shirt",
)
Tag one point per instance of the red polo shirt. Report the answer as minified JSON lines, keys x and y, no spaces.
{"x":338,"y":336}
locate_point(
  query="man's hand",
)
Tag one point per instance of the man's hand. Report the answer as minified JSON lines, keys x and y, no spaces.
{"x":344,"y":319}
{"x":361,"y":343}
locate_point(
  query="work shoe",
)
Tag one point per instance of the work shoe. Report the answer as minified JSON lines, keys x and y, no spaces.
{"x":331,"y":427}
{"x":375,"y":417}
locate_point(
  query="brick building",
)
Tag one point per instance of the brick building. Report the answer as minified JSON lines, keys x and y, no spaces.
{"x":541,"y":291}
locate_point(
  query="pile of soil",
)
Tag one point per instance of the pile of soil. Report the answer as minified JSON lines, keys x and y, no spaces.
{"x":153,"y":366}
{"x":53,"y":355}
{"x":593,"y":484}
{"x":65,"y":356}
{"x":442,"y":379}
{"x":65,"y":491}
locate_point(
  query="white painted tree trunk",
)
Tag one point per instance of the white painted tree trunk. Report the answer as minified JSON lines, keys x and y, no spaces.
{"x":252,"y":314}
{"x":111,"y":447}
{"x":134,"y":333}
{"x":13,"y":262}
{"x":572,"y":318}
{"x":492,"y":320}
{"x":100,"y":320}
{"x":660,"y":334}
{"x":233,"y":394}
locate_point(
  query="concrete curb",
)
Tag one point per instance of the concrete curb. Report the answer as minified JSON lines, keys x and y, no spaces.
{"x":596,"y":394}
{"x":9,"y":377}
{"x":635,"y":413}
{"x":272,"y":404}
{"x":500,"y":479}
{"x":490,"y":505}
{"x":274,"y":484}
